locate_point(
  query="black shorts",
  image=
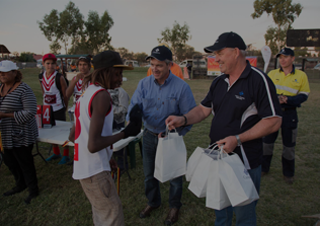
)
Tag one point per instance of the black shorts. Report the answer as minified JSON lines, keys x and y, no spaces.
{"x":60,"y":114}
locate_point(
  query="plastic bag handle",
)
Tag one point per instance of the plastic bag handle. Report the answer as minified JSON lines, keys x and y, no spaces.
{"x":167,"y":130}
{"x":245,"y":159}
{"x":215,"y":145}
{"x":222,"y":152}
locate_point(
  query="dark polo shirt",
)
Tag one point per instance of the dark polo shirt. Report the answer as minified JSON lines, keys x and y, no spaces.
{"x":239,"y":107}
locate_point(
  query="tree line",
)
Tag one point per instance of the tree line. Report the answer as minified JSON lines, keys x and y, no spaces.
{"x":69,"y":30}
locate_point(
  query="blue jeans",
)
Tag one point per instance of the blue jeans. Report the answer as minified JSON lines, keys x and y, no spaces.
{"x":152,"y":188}
{"x":245,"y":215}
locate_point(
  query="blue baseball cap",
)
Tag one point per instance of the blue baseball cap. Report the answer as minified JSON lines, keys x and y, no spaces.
{"x":285,"y":51}
{"x":161,"y":53}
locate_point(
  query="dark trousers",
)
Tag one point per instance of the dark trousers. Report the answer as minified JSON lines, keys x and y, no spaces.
{"x":60,"y":114}
{"x":152,"y":187}
{"x":20,"y":163}
{"x":121,"y":155}
{"x":289,"y":135}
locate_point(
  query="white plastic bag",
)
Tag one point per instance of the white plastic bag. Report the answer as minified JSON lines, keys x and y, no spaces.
{"x":171,"y":157}
{"x":237,"y":181}
{"x":198,"y":180}
{"x":216,"y":196}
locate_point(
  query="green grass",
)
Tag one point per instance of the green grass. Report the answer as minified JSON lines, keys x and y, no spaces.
{"x":62,"y":201}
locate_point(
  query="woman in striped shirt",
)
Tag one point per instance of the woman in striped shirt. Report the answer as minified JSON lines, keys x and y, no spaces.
{"x":18,"y":129}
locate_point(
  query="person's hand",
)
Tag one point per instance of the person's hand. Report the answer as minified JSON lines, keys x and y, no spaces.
{"x":79,"y":76}
{"x":161,"y":135}
{"x":113,"y":165}
{"x":283,"y":99}
{"x":134,"y":127}
{"x":230,"y":143}
{"x":174,"y":122}
{"x":135,"y":114}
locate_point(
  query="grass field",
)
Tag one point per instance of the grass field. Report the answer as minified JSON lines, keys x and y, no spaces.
{"x":62,"y":201}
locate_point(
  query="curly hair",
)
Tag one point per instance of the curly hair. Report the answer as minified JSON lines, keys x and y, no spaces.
{"x":18,"y":77}
{"x":101,"y":76}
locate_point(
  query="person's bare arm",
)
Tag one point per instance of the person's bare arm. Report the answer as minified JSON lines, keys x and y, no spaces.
{"x":71,"y":86}
{"x":96,"y":142}
{"x":263,"y":128}
{"x":197,"y":114}
{"x":42,"y":89}
{"x":63,"y":90}
{"x":6,"y":115}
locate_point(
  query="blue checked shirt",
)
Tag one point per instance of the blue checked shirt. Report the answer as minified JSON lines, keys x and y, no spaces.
{"x":157,"y":102}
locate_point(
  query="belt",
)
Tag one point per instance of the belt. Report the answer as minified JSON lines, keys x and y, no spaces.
{"x":288,"y":109}
{"x":155,"y":134}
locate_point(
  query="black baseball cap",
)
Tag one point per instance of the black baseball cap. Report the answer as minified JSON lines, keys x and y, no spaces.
{"x":227,"y":40}
{"x":109,"y":59}
{"x":285,"y":51}
{"x":161,"y":53}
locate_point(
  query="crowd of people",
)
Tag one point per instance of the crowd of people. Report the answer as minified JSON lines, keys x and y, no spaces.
{"x":249,"y":108}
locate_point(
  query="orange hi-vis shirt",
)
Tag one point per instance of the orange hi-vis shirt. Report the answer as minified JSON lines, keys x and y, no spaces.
{"x":175,"y":69}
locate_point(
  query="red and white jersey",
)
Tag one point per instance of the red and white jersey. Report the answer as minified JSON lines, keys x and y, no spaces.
{"x":77,"y":91}
{"x":87,"y":164}
{"x":51,"y":94}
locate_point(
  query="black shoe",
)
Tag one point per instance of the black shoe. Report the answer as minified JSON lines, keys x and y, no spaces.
{"x":172,"y":216}
{"x":288,"y":180}
{"x":31,"y":196}
{"x":146,"y":211}
{"x":14,"y":191}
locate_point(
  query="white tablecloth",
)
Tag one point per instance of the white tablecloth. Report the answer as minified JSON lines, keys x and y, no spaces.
{"x":59,"y":133}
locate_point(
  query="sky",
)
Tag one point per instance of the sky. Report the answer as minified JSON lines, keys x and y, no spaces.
{"x":138,"y":23}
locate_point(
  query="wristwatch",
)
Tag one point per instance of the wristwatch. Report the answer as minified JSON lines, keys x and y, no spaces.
{"x":238,"y":140}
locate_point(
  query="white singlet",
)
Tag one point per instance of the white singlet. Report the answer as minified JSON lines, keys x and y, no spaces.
{"x":87,"y":164}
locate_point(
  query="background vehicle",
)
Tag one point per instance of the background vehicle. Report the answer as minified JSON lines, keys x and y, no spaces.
{"x":199,"y":66}
{"x":132,"y":63}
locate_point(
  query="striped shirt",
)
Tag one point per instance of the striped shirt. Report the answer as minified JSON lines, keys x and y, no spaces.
{"x":21,"y":130}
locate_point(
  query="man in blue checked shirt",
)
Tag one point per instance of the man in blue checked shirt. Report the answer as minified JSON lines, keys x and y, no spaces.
{"x":160,"y":95}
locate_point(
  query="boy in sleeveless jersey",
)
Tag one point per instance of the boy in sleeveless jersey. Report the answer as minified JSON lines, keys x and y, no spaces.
{"x":93,"y":139}
{"x":75,"y":87}
{"x":55,"y":97}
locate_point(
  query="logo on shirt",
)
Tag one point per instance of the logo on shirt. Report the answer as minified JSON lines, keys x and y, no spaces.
{"x":240,"y":96}
{"x":295,"y":81}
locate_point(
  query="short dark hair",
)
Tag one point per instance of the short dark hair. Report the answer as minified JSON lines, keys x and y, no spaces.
{"x":83,"y":60}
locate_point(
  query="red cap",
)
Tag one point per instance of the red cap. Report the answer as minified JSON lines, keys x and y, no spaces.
{"x":49,"y":56}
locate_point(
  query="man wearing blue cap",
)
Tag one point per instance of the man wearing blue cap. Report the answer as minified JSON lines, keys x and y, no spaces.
{"x":158,"y":96}
{"x":245,"y":108}
{"x":292,"y":89}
